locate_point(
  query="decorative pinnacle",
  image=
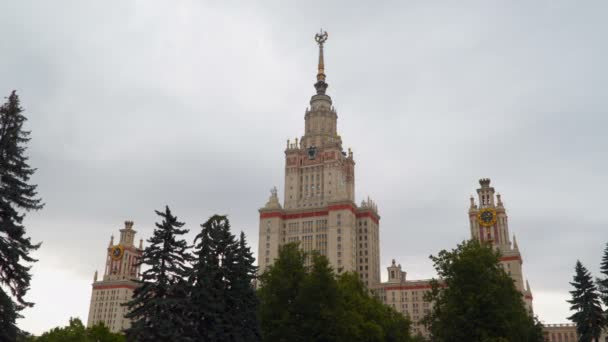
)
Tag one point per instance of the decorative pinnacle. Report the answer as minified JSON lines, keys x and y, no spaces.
{"x":484,"y":182}
{"x":321,"y":86}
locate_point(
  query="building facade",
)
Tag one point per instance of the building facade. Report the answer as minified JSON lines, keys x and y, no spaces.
{"x":488,"y":223}
{"x":560,"y":332}
{"x":320,"y":213}
{"x":117,"y":284}
{"x":319,"y":208}
{"x":405,"y":296}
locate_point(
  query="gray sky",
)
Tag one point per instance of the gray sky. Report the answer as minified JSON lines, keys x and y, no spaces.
{"x":138,"y":104}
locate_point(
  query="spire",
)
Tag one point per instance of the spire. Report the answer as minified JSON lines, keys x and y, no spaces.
{"x":321,"y":86}
{"x":515,"y":242}
{"x":528,"y":286}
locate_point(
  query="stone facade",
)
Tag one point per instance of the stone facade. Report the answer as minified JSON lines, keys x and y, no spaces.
{"x":319,"y":196}
{"x":406,"y":296}
{"x":560,"y":332}
{"x":117,"y":285}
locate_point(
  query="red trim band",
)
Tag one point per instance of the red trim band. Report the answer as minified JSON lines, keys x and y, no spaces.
{"x":511,"y":258}
{"x":110,"y":287}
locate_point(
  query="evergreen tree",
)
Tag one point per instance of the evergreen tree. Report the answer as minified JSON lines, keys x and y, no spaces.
{"x":242,"y":302}
{"x":603,"y":281}
{"x":476,"y":299}
{"x":159,"y":304}
{"x":585,"y":301}
{"x":224,"y":305}
{"x":15,"y":194}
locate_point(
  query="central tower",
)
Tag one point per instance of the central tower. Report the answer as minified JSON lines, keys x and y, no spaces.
{"x":319,"y":208}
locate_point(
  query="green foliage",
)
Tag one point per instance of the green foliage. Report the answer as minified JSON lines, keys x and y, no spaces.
{"x":297,"y":304}
{"x":602,"y":282}
{"x":280,"y":286}
{"x":15,"y":194}
{"x":76,"y":332}
{"x":588,"y":316}
{"x":223,"y":305}
{"x":159,"y":304}
{"x":476,"y":300}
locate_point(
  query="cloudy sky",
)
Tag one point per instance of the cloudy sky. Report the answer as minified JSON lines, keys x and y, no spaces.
{"x":138,"y":104}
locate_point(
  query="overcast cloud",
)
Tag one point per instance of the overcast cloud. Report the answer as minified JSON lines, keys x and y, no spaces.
{"x":138,"y":104}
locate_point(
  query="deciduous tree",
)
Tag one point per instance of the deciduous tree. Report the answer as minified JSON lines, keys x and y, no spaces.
{"x":476,"y":300}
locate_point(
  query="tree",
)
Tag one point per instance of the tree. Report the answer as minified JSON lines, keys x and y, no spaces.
{"x":279,"y":288}
{"x":364,"y":317}
{"x":16,"y":193}
{"x":588,"y":315}
{"x":241,"y":297}
{"x":475,"y":299}
{"x":299,"y":303}
{"x":76,"y":332}
{"x":318,"y":302}
{"x":159,"y":304}
{"x":223,"y":302}
{"x":602,"y":283}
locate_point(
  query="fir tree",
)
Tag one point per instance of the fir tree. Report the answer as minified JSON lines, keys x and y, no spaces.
{"x":15,"y":194}
{"x":159,"y":304}
{"x":585,"y":301}
{"x":242,"y":302}
{"x":603,"y":281}
{"x":224,"y":305}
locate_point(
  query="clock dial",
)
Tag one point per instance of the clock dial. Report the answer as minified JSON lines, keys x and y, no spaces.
{"x":487,"y":217}
{"x":116,"y":252}
{"x":312,"y":152}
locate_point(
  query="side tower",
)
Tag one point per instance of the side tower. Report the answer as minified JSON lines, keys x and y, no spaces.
{"x":489,"y":223}
{"x":118,"y":282}
{"x":319,"y":197}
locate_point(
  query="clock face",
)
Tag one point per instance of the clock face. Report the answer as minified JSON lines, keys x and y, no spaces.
{"x":487,"y":217}
{"x":312,"y":152}
{"x":116,"y":252}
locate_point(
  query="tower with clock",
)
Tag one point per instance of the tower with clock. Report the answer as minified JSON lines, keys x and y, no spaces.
{"x":319,"y":208}
{"x":489,"y":223}
{"x":117,"y":283}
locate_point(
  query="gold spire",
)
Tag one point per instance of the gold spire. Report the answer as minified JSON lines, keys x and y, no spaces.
{"x":320,"y":38}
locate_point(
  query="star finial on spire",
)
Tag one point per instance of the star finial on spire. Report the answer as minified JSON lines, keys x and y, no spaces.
{"x":321,"y":86}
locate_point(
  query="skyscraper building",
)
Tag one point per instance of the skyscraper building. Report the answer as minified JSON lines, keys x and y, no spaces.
{"x":118,"y":282}
{"x":319,"y":207}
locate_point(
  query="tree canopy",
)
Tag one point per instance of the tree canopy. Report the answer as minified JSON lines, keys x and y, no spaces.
{"x":476,"y":300}
{"x":300,"y":302}
{"x":77,"y":332}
